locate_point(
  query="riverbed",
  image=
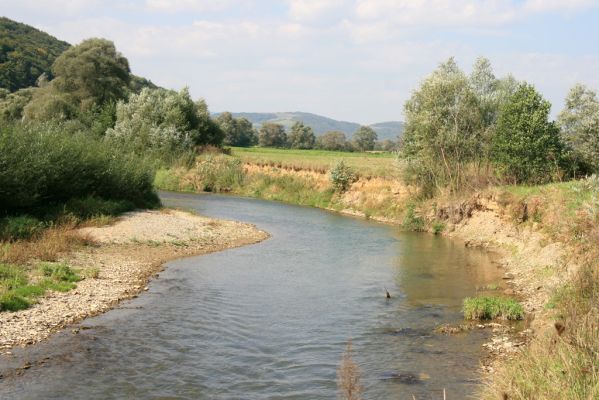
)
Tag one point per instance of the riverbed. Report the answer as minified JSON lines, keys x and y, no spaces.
{"x":271,"y":320}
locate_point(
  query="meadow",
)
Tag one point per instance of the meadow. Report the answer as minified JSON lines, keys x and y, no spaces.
{"x":368,"y":164}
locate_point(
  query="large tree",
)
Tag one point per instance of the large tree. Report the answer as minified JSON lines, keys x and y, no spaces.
{"x":364,"y":138}
{"x":301,"y":136}
{"x":272,"y":135}
{"x":87,"y":75}
{"x":332,"y":140}
{"x":443,"y":130}
{"x":579,"y":122}
{"x":526,"y":146}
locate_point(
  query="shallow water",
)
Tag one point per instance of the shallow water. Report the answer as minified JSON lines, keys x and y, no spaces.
{"x":271,"y":320}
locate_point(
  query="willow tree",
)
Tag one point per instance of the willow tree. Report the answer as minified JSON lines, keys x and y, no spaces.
{"x":579,"y":122}
{"x":443,"y":130}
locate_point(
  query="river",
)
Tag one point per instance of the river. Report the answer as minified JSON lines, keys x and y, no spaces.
{"x":271,"y":320}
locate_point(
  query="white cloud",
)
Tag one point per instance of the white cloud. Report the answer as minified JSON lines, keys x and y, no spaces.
{"x":309,"y":10}
{"x":173,"y":6}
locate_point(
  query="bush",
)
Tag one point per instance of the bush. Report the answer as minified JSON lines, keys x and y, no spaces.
{"x":488,"y":307}
{"x":41,"y":167}
{"x":411,"y":221}
{"x":342,"y":176}
{"x":20,"y":227}
{"x":217,"y":173}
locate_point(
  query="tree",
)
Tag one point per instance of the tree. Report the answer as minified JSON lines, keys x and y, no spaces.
{"x":301,"y":136}
{"x":579,"y":122}
{"x":526,"y":147}
{"x":272,"y":135}
{"x":332,"y":140}
{"x":87,"y":75}
{"x":364,"y":138}
{"x":163,"y":119}
{"x":237,"y":131}
{"x":442,"y":131}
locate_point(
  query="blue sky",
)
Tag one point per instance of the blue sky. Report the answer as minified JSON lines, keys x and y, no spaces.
{"x":355,"y":60}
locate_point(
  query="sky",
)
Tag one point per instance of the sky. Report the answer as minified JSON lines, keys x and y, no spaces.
{"x":354,"y":60}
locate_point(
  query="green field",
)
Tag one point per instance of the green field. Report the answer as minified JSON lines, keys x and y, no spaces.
{"x":366,"y":164}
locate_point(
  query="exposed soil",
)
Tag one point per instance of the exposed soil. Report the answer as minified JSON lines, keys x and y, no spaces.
{"x":126,"y":255}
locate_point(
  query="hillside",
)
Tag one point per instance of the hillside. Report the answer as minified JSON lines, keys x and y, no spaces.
{"x":25,"y":54}
{"x":320,"y":124}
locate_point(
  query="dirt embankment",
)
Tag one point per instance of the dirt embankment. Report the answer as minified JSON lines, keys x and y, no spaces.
{"x":534,"y":265}
{"x":126,"y":255}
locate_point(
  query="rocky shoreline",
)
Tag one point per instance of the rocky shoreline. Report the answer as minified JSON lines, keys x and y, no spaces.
{"x":124,"y":257}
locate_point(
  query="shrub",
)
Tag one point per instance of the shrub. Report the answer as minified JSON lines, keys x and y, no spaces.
{"x":20,"y":227}
{"x":438,"y":227}
{"x":217,"y":173}
{"x":41,"y":167}
{"x":411,"y":221}
{"x":489,"y":307}
{"x":342,"y":176}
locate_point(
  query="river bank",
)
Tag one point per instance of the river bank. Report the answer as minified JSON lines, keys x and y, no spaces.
{"x":546,"y":240}
{"x":122,"y":259}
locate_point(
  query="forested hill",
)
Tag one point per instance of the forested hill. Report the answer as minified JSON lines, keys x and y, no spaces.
{"x":25,"y":54}
{"x":319,"y":124}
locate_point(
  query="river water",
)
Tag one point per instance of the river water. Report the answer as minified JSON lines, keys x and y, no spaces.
{"x":271,"y":320}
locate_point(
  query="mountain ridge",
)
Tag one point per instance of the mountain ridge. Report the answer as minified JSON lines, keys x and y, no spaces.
{"x":320,"y":124}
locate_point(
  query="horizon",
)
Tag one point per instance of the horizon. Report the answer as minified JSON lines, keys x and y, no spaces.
{"x":355,"y":61}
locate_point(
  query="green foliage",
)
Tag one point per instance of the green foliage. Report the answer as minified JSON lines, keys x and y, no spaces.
{"x":59,"y":272}
{"x":20,"y":227}
{"x":287,"y":188}
{"x":90,"y":74}
{"x":92,"y":206}
{"x":438,"y":227}
{"x":579,"y":122}
{"x":301,"y":137}
{"x":526,"y":146}
{"x":443,"y":131}
{"x":237,"y":131}
{"x":13,"y":105}
{"x":491,"y":307}
{"x":364,"y":138}
{"x":26,"y":53}
{"x":412,"y":221}
{"x":333,"y":141}
{"x":13,"y":302}
{"x":218,"y":172}
{"x":41,"y":166}
{"x":272,"y":135}
{"x":342,"y":176}
{"x":163,"y":120}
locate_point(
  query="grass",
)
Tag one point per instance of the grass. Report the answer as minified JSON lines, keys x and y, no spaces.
{"x":491,"y":307}
{"x":19,"y":291}
{"x":365,"y":164}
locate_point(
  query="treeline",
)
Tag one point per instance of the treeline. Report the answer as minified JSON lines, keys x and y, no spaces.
{"x":471,"y":130}
{"x":240,"y":132}
{"x":93,"y":131}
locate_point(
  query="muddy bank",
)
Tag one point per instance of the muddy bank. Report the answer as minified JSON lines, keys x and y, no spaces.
{"x":125,"y":256}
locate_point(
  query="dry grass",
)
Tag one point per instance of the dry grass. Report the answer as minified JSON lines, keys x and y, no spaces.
{"x":348,"y":377}
{"x":48,"y":246}
{"x":563,"y":362}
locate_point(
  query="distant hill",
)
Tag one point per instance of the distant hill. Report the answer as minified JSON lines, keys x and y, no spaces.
{"x":26,"y":53}
{"x":320,"y":124}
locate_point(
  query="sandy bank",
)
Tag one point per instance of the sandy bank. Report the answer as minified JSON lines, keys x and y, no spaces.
{"x":127,"y":253}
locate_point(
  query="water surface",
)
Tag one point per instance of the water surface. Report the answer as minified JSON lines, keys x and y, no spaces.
{"x":271,"y":320}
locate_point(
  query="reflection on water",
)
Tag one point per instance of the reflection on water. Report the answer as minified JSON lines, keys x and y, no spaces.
{"x":270,"y":321}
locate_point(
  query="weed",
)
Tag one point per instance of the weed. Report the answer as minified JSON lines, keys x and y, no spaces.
{"x":92,"y":273}
{"x":438,"y":227}
{"x":412,"y":221}
{"x":20,"y":227}
{"x":488,"y":307}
